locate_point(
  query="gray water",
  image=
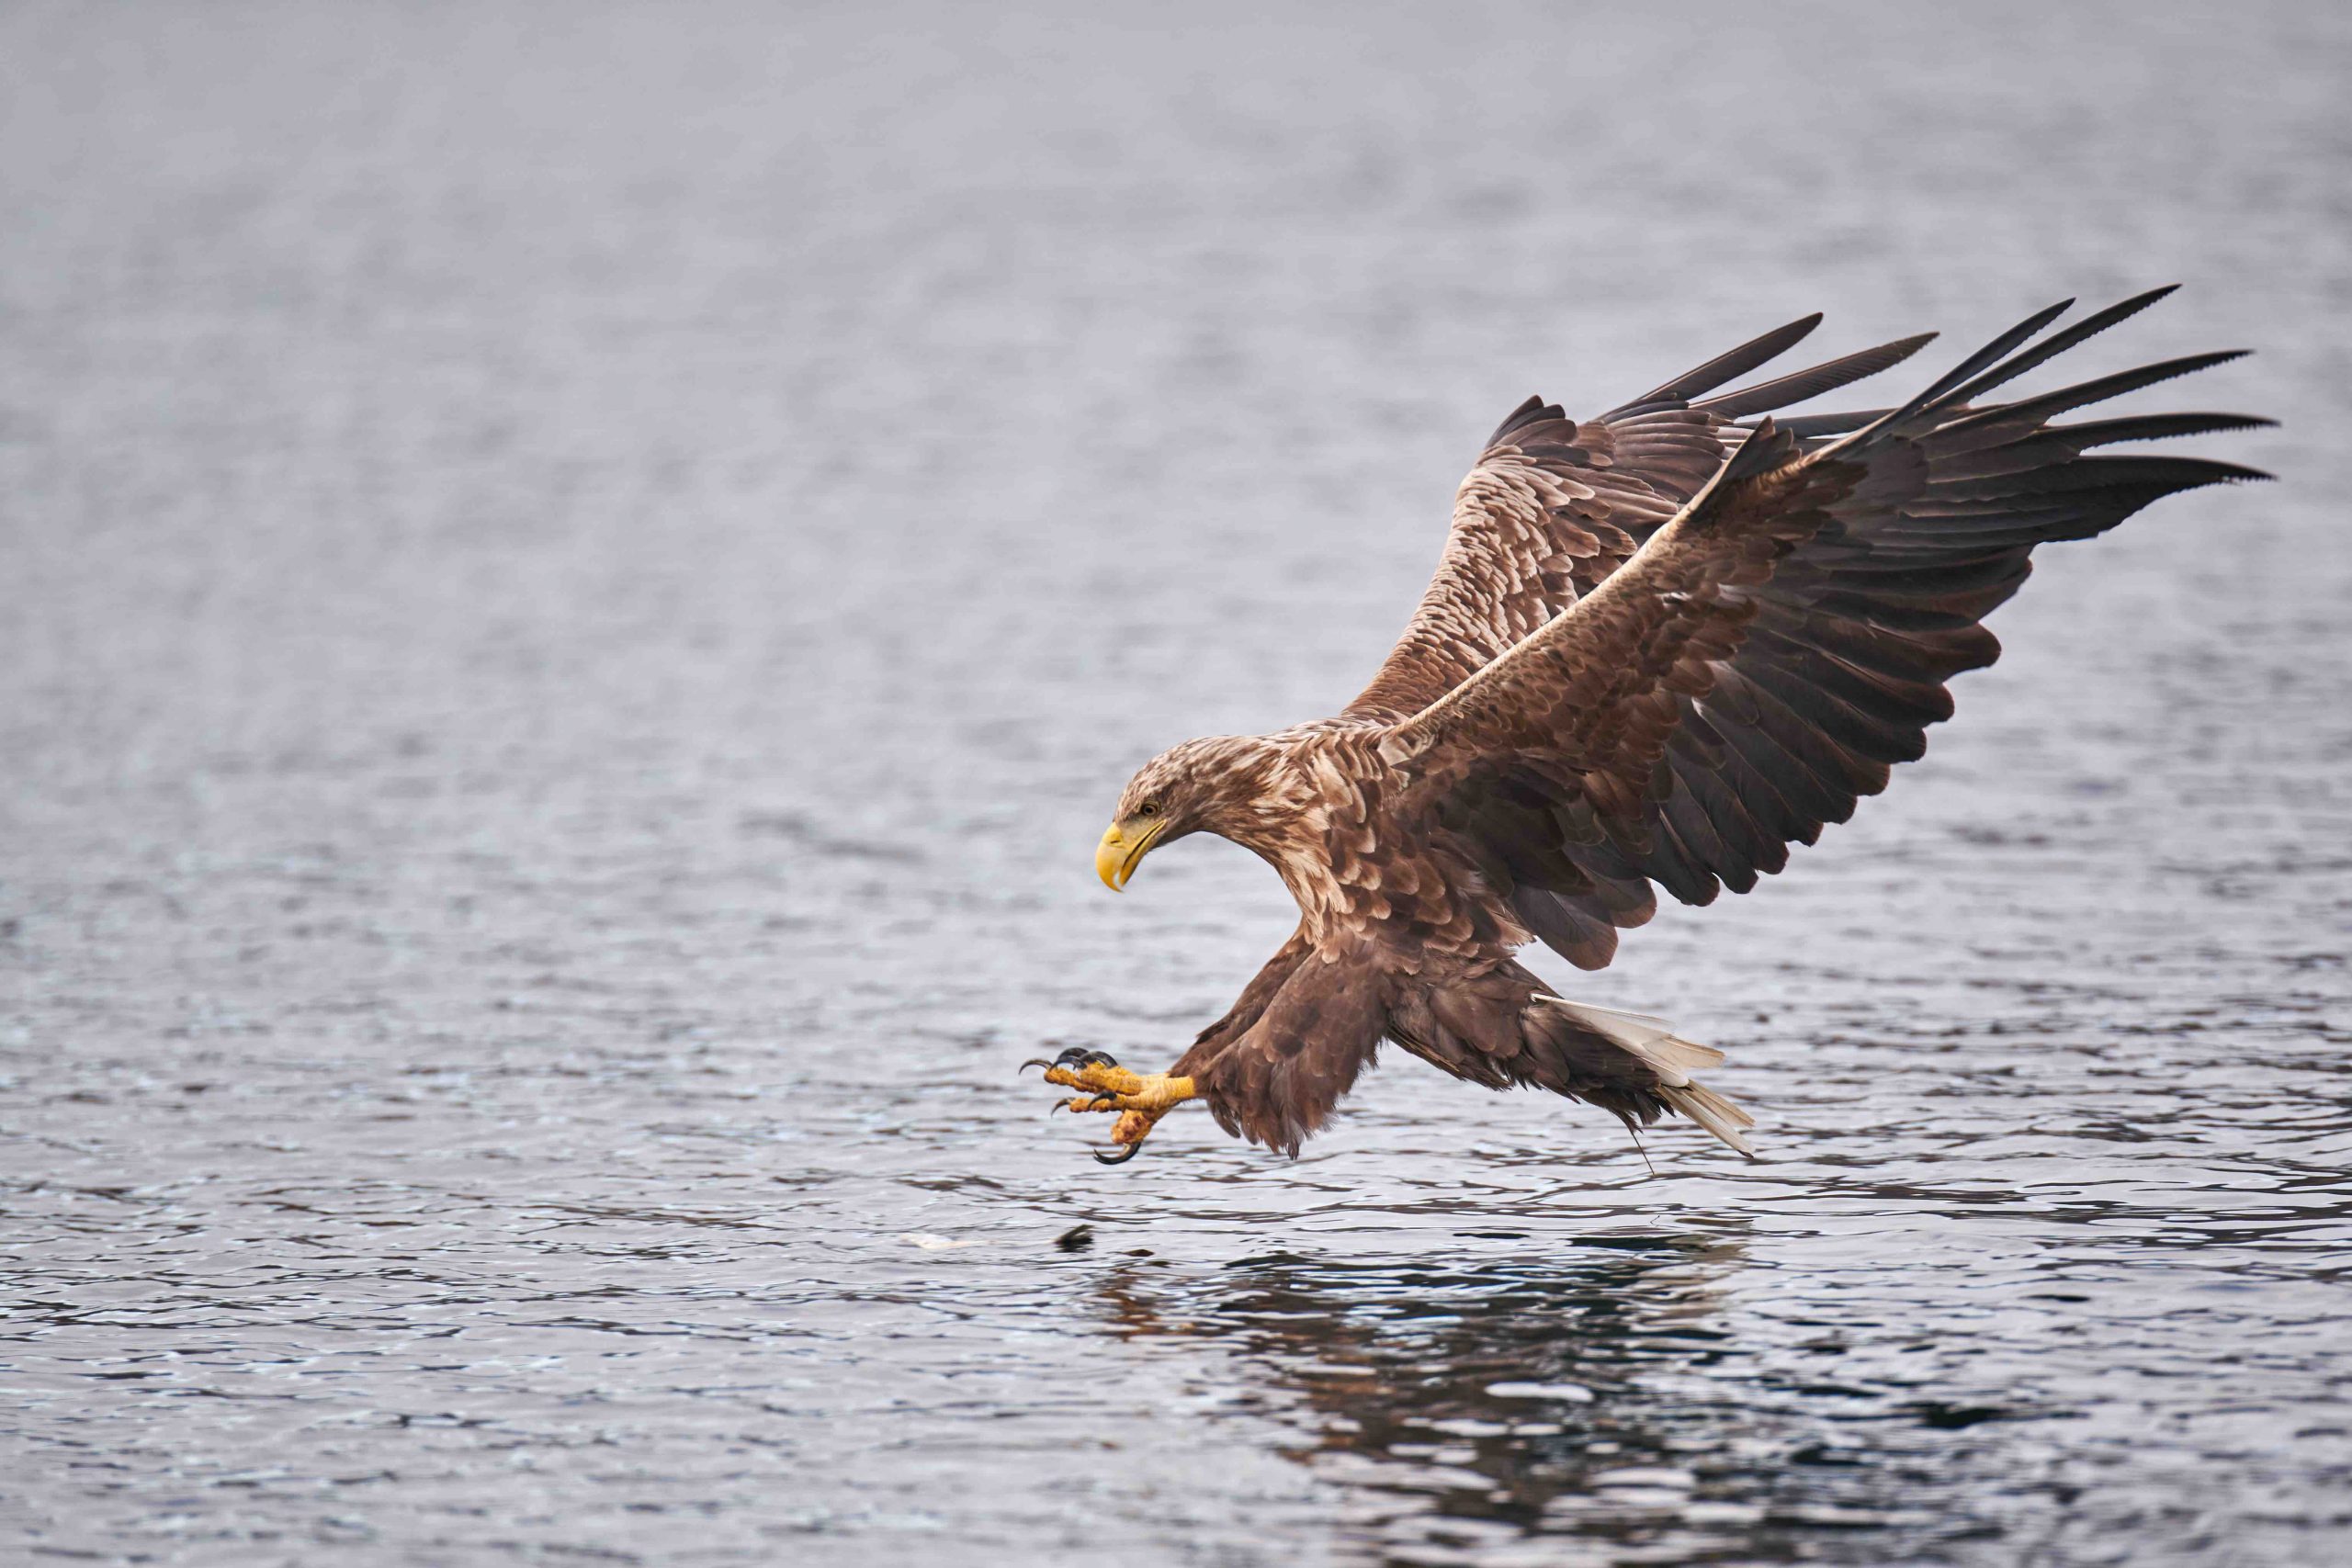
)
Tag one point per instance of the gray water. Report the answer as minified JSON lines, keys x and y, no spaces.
{"x":579,"y":584}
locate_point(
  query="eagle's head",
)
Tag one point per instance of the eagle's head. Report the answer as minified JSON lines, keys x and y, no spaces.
{"x":1216,"y":784}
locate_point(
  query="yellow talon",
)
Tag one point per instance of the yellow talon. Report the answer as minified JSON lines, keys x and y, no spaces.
{"x":1102,"y":1078}
{"x":1133,"y":1126}
{"x":1140,"y":1098}
{"x":1116,"y":1088}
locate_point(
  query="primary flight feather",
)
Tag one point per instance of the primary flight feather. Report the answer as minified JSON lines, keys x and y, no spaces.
{"x":1661,"y":646}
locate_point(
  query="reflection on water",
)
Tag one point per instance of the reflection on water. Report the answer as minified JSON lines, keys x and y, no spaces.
{"x":1499,"y":1410}
{"x":1466,"y":1402}
{"x":574,"y":589}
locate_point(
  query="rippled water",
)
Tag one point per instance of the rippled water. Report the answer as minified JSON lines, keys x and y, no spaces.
{"x":578,"y":585}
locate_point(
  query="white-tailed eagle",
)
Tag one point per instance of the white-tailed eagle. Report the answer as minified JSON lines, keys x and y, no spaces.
{"x":1662,"y":645}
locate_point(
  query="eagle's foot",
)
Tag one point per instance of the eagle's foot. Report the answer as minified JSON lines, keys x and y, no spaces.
{"x":1139,"y":1099}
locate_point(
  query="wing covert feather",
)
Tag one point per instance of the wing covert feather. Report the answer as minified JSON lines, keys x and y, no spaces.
{"x":1554,"y":505}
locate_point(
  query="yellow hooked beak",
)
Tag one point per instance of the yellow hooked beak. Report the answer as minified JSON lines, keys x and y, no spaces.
{"x":1117,"y":856}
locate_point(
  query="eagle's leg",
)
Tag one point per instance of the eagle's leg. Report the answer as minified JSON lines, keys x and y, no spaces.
{"x":1140,"y":1098}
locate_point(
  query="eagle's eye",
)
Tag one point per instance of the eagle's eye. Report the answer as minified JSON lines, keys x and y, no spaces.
{"x":1148,"y":808}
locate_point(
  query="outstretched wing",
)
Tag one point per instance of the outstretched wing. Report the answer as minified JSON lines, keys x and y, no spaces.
{"x":1772,"y":651}
{"x":1553,"y":506}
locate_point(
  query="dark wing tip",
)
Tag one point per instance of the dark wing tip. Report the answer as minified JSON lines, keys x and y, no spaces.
{"x":1534,"y":411}
{"x":1725,"y":367}
{"x":2210,"y":472}
{"x":1767,"y":447}
{"x":1804,"y":385}
{"x":2152,"y":427}
{"x":2174,"y":474}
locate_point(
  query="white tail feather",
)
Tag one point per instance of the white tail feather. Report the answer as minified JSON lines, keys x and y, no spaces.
{"x":1651,"y":1039}
{"x":1673,"y":1058}
{"x":1712,"y":1112}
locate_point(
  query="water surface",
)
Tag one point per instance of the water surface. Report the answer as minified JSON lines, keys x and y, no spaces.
{"x":579,"y":584}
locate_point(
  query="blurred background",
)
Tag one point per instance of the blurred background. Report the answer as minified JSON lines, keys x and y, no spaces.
{"x":578,"y":581}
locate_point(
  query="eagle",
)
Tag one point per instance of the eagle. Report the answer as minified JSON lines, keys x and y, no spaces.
{"x":1661,"y":646}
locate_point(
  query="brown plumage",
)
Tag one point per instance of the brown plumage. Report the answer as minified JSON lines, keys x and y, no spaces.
{"x":1661,"y":646}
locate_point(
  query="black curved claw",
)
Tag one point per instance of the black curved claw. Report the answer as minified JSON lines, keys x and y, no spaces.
{"x":1076,"y":1056}
{"x":1132,"y":1150}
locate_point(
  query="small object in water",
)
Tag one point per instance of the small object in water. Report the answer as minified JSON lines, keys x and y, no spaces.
{"x":1574,"y":1393}
{"x":1078,"y":1238}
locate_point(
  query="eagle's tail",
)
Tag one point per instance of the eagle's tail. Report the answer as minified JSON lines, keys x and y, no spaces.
{"x":1595,"y":1045}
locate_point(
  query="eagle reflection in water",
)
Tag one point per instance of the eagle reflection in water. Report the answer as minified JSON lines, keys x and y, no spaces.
{"x":1485,"y":1405}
